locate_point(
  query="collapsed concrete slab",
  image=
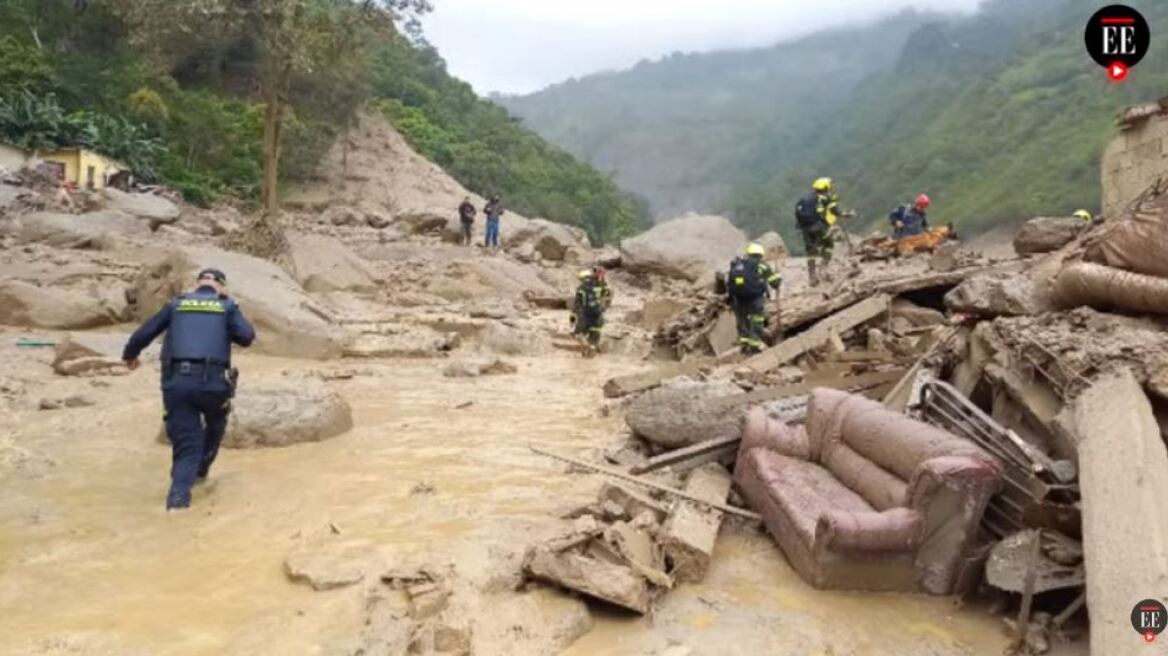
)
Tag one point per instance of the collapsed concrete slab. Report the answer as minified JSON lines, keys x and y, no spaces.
{"x":690,"y":531}
{"x":1123,"y":474}
{"x":616,"y":584}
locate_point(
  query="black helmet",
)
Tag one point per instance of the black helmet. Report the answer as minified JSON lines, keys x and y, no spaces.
{"x":214,"y":274}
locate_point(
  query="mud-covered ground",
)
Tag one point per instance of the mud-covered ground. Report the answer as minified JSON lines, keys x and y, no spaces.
{"x":91,"y":564}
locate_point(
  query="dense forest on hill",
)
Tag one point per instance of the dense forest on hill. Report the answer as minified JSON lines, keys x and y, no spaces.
{"x":998,"y":116}
{"x":186,"y":106}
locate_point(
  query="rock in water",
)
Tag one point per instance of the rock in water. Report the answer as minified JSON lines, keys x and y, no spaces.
{"x":324,"y":264}
{"x":684,"y":248}
{"x":504,"y":339}
{"x":475,"y":367}
{"x":330,"y":566}
{"x":681,"y":413}
{"x":1046,"y":233}
{"x":265,"y":415}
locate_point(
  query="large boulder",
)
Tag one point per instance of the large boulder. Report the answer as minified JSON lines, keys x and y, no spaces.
{"x":682,"y":413}
{"x":94,"y":230}
{"x":423,"y":222}
{"x":25,"y":304}
{"x":992,"y":295}
{"x":150,"y":207}
{"x":776,"y":248}
{"x":285,"y":413}
{"x":553,"y":241}
{"x":683,"y":248}
{"x":1047,"y":233}
{"x":288,"y":321}
{"x":466,"y":280}
{"x":324,"y":264}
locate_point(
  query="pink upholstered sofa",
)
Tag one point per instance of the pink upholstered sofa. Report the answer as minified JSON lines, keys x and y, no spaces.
{"x":861,"y":497}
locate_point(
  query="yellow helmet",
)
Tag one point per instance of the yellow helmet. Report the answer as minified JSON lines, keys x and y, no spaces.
{"x":822,"y":184}
{"x":584,"y":274}
{"x":1083,"y":214}
{"x":755,"y":249}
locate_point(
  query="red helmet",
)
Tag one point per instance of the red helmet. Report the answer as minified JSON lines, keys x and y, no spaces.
{"x":923,"y":201}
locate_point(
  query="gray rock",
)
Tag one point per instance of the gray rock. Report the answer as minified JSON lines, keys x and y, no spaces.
{"x":95,"y":230}
{"x":418,"y":223}
{"x":324,"y":264}
{"x":153,"y":208}
{"x":341,"y":215}
{"x":994,"y":295}
{"x":680,"y":413}
{"x":475,"y":367}
{"x":332,"y":566}
{"x":506,"y":340}
{"x":66,"y":308}
{"x":288,"y":321}
{"x":86,"y":352}
{"x":283,"y":414}
{"x":683,"y":248}
{"x":556,"y":242}
{"x":1045,"y":234}
{"x":776,"y":248}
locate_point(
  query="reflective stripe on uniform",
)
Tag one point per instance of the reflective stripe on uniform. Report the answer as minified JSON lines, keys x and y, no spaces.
{"x":213,"y":306}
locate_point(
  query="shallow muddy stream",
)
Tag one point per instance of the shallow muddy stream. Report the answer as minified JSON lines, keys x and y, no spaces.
{"x":91,"y":564}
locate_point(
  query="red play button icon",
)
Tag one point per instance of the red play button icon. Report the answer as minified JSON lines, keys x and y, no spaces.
{"x":1117,"y":71}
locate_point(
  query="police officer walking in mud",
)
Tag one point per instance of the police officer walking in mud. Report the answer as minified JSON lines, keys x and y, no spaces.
{"x":197,"y":379}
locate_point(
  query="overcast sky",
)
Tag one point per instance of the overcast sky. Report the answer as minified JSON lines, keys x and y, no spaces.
{"x":518,"y":46}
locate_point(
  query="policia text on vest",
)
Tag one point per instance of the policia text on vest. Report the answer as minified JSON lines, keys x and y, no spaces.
{"x":197,"y":379}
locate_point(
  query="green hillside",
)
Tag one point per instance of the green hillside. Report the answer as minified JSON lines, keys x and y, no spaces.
{"x":998,"y":116}
{"x":185,"y":106}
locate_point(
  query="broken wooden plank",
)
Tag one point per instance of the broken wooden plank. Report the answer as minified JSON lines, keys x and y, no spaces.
{"x":851,"y":384}
{"x":819,"y":334}
{"x":631,"y":384}
{"x":1123,"y":469}
{"x":633,"y":503}
{"x":863,"y":356}
{"x":680,"y":455}
{"x":609,"y":471}
{"x":689,"y":534}
{"x":911,"y":374}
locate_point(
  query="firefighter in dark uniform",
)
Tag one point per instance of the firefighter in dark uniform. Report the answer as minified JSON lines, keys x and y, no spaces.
{"x":748,"y":286}
{"x":197,"y":379}
{"x":816,"y":215}
{"x":593,"y":296}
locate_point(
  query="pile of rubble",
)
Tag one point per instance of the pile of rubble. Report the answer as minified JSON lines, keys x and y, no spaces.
{"x":1039,"y":364}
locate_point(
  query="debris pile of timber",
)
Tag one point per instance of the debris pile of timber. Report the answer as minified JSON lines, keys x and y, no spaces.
{"x":629,"y":548}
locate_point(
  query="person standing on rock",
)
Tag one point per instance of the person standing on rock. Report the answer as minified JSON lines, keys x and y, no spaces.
{"x":466,"y":214}
{"x":197,"y":379}
{"x":593,"y":297}
{"x":748,"y":286}
{"x":816,"y":215}
{"x":493,"y":209}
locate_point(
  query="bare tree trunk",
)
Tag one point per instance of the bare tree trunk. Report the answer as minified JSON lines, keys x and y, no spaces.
{"x":273,"y":127}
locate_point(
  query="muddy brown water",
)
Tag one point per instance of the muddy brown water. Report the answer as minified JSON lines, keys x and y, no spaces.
{"x":91,"y":564}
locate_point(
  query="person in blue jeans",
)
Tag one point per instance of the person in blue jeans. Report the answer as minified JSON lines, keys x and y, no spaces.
{"x":197,"y":379}
{"x":493,"y":210}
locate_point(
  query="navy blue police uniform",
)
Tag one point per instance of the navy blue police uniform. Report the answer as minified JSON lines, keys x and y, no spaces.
{"x":197,"y":385}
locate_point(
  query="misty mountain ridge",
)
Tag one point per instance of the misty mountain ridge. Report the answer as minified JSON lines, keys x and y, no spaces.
{"x":998,"y":115}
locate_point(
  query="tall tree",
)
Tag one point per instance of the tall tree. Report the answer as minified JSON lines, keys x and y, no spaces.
{"x":291,"y":36}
